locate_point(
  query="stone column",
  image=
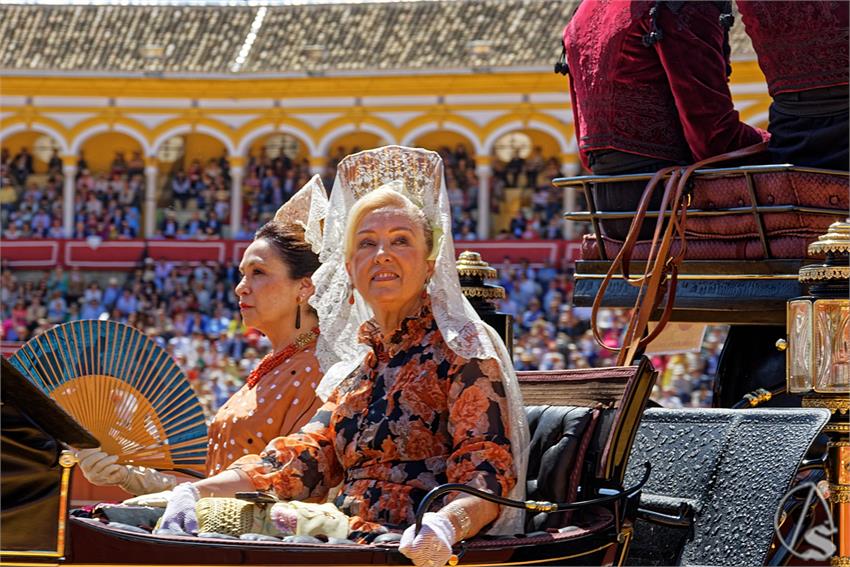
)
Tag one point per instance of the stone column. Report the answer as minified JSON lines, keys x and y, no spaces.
{"x":570,"y":167}
{"x":149,"y":211}
{"x":483,"y":171}
{"x":237,"y":171}
{"x":69,"y":171}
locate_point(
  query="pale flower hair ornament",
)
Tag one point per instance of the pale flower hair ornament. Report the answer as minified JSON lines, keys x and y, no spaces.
{"x":307,"y":209}
{"x":417,"y":174}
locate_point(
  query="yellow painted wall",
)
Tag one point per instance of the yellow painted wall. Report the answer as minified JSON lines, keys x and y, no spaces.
{"x":361,"y":140}
{"x":202,"y":147}
{"x":435,"y":140}
{"x":100,"y":150}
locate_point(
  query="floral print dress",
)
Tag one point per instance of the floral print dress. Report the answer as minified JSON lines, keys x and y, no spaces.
{"x":414,"y":415}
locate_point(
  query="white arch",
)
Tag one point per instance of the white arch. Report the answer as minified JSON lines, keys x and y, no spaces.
{"x":250,"y":137}
{"x":447,"y":125}
{"x":189,"y":129}
{"x":566,"y":147}
{"x":37,"y":127}
{"x":101,"y":128}
{"x":334,"y":134}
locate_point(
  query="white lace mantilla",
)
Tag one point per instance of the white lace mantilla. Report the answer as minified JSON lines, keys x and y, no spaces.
{"x":418,"y":174}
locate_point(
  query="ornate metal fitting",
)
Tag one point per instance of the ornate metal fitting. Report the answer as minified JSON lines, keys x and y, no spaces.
{"x":470,"y":264}
{"x":541,"y":506}
{"x":833,"y":404}
{"x":68,"y":459}
{"x":485,"y":292}
{"x":835,"y":241}
{"x":839,"y":561}
{"x":839,"y":493}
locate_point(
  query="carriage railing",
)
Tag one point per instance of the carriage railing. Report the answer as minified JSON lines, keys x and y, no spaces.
{"x":754,"y":208}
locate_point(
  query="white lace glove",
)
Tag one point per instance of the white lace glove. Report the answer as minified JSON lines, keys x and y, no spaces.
{"x":155,"y":500}
{"x":433,"y":546}
{"x":180,"y":513}
{"x":100,"y":468}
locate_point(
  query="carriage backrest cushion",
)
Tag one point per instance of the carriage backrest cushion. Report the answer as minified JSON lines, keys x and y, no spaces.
{"x":559,"y":439}
{"x":617,"y":396}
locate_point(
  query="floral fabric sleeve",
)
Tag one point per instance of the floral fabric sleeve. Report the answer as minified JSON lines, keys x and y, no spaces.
{"x":300,"y":466}
{"x":478,"y":424}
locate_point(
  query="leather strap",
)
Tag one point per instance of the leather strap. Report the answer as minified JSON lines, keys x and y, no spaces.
{"x":661,"y":271}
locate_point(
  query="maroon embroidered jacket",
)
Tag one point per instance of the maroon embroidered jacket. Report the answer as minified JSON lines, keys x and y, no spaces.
{"x":800,"y":45}
{"x":669,"y":101}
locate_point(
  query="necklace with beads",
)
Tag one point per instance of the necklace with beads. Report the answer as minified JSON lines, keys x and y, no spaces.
{"x":272,"y":360}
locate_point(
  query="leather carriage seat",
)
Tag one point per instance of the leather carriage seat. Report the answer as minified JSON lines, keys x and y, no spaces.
{"x":805,"y":200}
{"x":559,"y":439}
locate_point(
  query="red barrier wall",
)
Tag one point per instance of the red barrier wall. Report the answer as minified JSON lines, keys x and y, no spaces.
{"x":129,"y":254}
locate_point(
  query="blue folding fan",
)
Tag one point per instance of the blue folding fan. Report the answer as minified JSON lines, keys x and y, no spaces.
{"x":124,"y":388}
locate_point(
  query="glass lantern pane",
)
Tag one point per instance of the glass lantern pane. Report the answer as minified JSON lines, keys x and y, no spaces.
{"x":832,"y":345}
{"x":799,"y":346}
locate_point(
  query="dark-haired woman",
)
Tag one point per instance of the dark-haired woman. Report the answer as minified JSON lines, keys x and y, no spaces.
{"x":279,"y":394}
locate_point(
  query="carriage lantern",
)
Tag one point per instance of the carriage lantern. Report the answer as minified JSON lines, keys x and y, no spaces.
{"x":818,"y":362}
{"x":473,"y":271}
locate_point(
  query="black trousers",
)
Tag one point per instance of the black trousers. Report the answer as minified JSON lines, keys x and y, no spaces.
{"x":811,"y":128}
{"x":624,"y":196}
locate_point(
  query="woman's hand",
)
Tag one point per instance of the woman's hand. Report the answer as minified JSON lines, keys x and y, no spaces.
{"x":100,"y":468}
{"x":180,"y":512}
{"x":433,"y":546}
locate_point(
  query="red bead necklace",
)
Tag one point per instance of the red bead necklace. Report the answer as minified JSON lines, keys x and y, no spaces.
{"x":272,"y":360}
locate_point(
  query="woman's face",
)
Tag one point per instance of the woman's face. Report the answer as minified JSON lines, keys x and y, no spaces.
{"x":389,"y":265}
{"x":267,"y":295}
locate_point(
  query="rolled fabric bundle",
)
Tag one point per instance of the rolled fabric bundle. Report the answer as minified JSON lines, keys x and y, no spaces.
{"x":235,"y":517}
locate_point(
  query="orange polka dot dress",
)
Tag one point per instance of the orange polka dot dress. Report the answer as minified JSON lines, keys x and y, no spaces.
{"x":282,"y":401}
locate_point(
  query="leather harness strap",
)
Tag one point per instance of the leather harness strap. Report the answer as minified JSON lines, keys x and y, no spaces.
{"x":661,"y":271}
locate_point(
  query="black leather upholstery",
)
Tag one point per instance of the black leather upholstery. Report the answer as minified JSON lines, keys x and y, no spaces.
{"x":554,"y":460}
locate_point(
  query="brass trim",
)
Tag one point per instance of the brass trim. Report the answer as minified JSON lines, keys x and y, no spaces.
{"x":579,"y":276}
{"x":817,"y":273}
{"x":67,"y":460}
{"x":538,"y":561}
{"x":835,"y":241}
{"x":833,"y":404}
{"x":540,"y":506}
{"x":837,"y":428}
{"x":626,"y":541}
{"x":839,"y":561}
{"x":484,"y":292}
{"x":839,"y":493}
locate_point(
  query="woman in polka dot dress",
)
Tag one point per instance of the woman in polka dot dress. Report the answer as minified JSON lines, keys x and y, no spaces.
{"x":279,"y":395}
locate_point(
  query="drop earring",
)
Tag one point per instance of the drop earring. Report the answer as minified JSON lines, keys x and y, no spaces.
{"x":351,"y":297}
{"x":298,"y":315}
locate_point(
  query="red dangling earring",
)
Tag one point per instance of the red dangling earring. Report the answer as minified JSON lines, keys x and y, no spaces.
{"x":351,"y":297}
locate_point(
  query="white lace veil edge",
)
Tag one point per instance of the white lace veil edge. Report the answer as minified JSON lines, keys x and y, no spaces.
{"x":307,"y":208}
{"x":465,"y":333}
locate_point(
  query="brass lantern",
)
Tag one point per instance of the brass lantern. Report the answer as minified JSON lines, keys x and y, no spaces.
{"x":818,"y":364}
{"x":819,"y":324}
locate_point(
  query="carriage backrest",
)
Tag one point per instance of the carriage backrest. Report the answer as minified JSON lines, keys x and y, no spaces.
{"x":582,"y":423}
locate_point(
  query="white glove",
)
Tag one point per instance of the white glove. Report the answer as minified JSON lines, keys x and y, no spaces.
{"x":100,"y":468}
{"x":433,"y":546}
{"x":144,"y":480}
{"x":180,"y":513}
{"x":155,"y":500}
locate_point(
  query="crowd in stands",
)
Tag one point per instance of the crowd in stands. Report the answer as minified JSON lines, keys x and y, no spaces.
{"x":192,"y":312}
{"x":108,"y":204}
{"x":200,"y":201}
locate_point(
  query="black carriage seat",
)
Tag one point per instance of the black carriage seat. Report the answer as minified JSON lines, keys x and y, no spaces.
{"x":729,"y":468}
{"x":582,"y":425}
